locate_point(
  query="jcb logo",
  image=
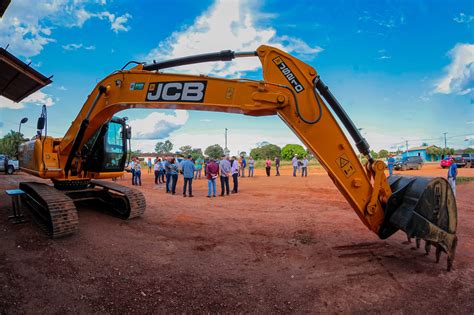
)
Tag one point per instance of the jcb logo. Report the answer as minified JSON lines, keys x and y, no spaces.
{"x":184,"y":91}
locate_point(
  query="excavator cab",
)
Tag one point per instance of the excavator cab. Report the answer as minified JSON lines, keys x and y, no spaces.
{"x":106,"y":150}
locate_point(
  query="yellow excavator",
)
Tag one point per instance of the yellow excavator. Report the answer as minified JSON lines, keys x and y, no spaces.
{"x":95,"y":146}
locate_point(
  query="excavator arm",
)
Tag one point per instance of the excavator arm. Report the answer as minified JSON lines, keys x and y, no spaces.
{"x":292,"y":90}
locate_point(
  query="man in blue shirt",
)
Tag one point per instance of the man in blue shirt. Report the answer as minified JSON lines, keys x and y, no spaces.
{"x":452,"y":174}
{"x":390,"y":164}
{"x":188,"y":168}
{"x":243,"y":164}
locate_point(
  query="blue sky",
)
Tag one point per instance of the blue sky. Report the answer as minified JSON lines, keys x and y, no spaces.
{"x":403,"y":70}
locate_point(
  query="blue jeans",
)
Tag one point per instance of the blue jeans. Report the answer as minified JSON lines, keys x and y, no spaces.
{"x":390,"y":170}
{"x":250,"y":171}
{"x":168,"y":182}
{"x":188,"y":182}
{"x":243,"y":171}
{"x":211,"y":185}
{"x":138,"y":178}
{"x":133,"y":176}
{"x":304,"y":171}
{"x":295,"y":168}
{"x":174,"y":178}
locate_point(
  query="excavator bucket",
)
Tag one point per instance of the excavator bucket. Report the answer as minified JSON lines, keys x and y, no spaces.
{"x":424,"y":208}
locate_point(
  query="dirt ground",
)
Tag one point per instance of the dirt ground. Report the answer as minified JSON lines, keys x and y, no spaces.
{"x":281,"y":245}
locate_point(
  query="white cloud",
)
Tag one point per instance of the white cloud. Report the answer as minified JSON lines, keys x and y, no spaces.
{"x":38,"y":98}
{"x":73,"y":46}
{"x":158,"y":125}
{"x":227,"y":25}
{"x":460,"y":73}
{"x":118,"y":23}
{"x":28,"y":25}
{"x":463,"y":18}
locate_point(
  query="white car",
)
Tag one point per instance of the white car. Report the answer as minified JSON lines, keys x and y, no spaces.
{"x":12,"y":165}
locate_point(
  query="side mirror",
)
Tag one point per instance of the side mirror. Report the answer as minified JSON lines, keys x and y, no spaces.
{"x":128,"y":131}
{"x":40,"y":124}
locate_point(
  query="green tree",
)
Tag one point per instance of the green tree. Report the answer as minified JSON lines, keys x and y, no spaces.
{"x":163,"y":147}
{"x":186,"y":150}
{"x":10,"y":142}
{"x":383,"y":154}
{"x":196,"y":153}
{"x":214,"y":151}
{"x":374,"y":154}
{"x":434,"y":151}
{"x":468,"y":150}
{"x":133,"y":153}
{"x":266,"y":150}
{"x":289,"y":151}
{"x":448,"y":151}
{"x":424,"y":144}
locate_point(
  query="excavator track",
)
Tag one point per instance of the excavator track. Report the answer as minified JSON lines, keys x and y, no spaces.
{"x":51,"y":209}
{"x":125,"y":202}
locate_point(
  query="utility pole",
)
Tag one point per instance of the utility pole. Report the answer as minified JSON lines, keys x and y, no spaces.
{"x":406,"y":143}
{"x":226,"y":150}
{"x":445,"y":140}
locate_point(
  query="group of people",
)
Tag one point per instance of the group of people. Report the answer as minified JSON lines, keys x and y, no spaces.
{"x":295,"y":162}
{"x":167,"y":172}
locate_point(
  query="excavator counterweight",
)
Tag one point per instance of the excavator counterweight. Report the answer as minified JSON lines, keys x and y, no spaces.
{"x":95,"y":145}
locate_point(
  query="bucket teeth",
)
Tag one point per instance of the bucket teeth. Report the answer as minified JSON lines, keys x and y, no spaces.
{"x":439,"y":250}
{"x":425,"y":209}
{"x":427,"y":247}
{"x":417,"y":241}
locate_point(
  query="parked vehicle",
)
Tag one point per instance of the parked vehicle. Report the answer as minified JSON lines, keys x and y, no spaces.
{"x":446,"y":162}
{"x":12,"y":165}
{"x":469,"y":159}
{"x":459,"y":160}
{"x":410,"y":162}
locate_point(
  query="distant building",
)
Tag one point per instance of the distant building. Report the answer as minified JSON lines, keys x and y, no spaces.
{"x":422,"y":152}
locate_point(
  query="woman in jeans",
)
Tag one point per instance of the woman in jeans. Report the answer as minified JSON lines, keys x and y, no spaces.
{"x":174,"y":175}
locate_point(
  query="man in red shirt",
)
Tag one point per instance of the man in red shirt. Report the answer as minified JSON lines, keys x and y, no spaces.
{"x":212,"y":171}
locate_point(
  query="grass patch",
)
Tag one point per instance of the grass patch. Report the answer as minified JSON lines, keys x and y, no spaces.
{"x":464,"y":179}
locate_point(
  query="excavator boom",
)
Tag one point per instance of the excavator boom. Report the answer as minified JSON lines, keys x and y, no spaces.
{"x":290,"y":89}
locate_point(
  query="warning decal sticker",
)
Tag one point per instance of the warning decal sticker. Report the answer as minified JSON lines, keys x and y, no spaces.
{"x":345,"y":165}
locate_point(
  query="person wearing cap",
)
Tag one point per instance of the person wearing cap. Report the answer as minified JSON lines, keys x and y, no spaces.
{"x":294,"y":162}
{"x":212,"y":171}
{"x":235,"y":174}
{"x":188,"y":168}
{"x":225,"y":170}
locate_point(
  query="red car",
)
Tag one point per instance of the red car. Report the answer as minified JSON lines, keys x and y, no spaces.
{"x":446,"y":162}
